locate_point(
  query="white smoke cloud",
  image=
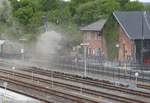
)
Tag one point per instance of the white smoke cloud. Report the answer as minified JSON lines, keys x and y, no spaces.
{"x":47,"y":44}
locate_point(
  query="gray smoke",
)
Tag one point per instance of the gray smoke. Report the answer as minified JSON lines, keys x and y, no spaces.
{"x":47,"y":45}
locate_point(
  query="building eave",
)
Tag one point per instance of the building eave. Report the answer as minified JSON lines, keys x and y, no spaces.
{"x":122,"y":26}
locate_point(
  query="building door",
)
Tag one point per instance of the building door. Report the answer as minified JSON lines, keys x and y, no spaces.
{"x":147,"y":58}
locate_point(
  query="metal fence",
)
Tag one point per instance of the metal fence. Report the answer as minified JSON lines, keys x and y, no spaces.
{"x":114,"y":69}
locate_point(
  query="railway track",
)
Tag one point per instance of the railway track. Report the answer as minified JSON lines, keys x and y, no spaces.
{"x":89,"y":81}
{"x":41,"y":88}
{"x":144,"y":86}
{"x":77,"y":88}
{"x":111,"y":72}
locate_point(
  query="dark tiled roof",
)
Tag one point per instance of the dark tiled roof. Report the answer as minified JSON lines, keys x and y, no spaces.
{"x":96,"y":26}
{"x":131,"y":22}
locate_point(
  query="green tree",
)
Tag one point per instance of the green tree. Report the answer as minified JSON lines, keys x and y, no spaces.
{"x":134,"y":6}
{"x":59,"y":16}
{"x":147,"y":7}
{"x":85,"y":13}
{"x":123,"y":3}
{"x":74,"y":4}
{"x":24,"y":14}
{"x":5,"y":11}
{"x":108,"y":6}
{"x":48,"y":5}
{"x":94,"y":10}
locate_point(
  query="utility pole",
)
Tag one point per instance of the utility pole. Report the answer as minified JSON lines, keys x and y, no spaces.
{"x":45,"y":19}
{"x":85,"y":45}
{"x":136,"y":78}
{"x":22,"y":50}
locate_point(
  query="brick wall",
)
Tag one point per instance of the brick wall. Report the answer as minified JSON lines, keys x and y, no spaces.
{"x":94,"y":39}
{"x":126,"y":46}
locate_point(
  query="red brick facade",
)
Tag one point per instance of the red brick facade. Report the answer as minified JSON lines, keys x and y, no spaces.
{"x":126,"y":46}
{"x":95,"y":40}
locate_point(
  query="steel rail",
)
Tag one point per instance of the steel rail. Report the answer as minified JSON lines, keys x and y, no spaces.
{"x":96,"y":93}
{"x":51,"y":91}
{"x":90,"y":81}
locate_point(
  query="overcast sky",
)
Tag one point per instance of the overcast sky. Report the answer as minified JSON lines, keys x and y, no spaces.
{"x":142,"y":0}
{"x":66,"y":0}
{"x":130,"y":0}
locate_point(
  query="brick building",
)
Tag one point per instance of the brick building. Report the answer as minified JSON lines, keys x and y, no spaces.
{"x":92,"y":34}
{"x":133,"y":36}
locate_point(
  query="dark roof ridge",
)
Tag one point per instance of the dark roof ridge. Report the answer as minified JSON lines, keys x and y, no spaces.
{"x":132,"y":23}
{"x":121,"y":25}
{"x":95,"y":26}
